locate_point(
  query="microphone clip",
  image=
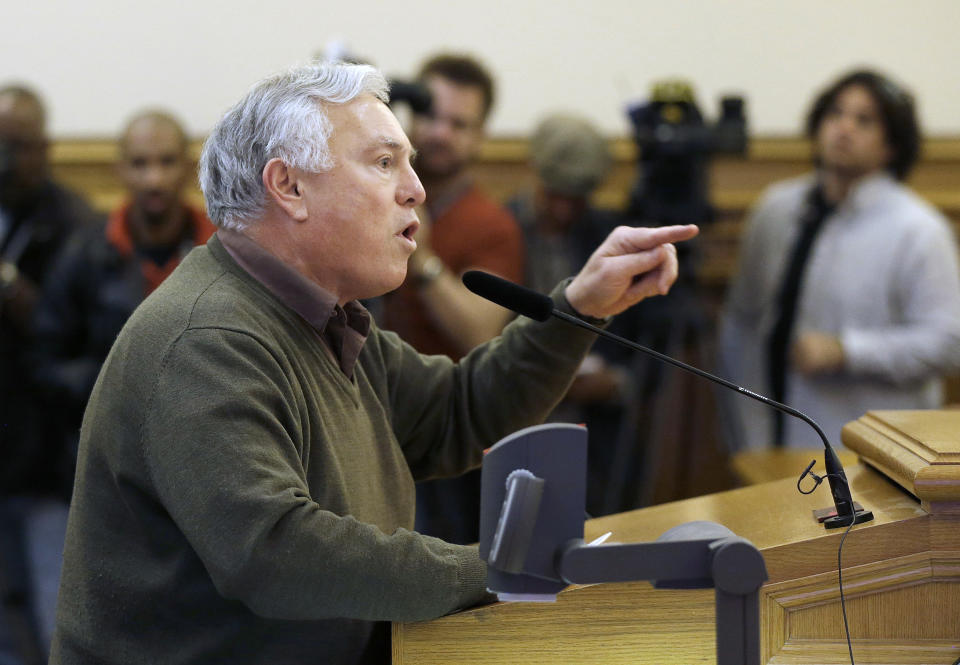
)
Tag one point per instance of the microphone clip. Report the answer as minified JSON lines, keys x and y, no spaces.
{"x":816,"y":479}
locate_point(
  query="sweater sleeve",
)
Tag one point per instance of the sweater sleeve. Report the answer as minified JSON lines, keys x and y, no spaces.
{"x":220,"y":444}
{"x":445,"y":415}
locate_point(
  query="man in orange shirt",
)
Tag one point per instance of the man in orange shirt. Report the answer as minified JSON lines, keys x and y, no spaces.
{"x":104,"y":273}
{"x":463,"y":229}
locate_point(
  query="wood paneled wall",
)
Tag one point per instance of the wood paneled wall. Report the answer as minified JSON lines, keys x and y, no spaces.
{"x":89,"y":167}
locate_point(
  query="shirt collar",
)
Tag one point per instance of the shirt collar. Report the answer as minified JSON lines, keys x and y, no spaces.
{"x":343,"y":329}
{"x":865,"y":192}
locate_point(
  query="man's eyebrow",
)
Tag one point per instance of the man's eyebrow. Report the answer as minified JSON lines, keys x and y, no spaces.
{"x":389,"y":142}
{"x":394,"y":144}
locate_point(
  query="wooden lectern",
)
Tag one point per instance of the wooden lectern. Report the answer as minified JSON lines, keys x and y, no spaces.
{"x":901,"y":573}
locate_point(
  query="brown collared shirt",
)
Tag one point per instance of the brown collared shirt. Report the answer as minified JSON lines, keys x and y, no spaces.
{"x":343,"y":330}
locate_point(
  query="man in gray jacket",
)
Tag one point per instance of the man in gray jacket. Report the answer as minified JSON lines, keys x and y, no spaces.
{"x":848,"y":294}
{"x":244,"y":490}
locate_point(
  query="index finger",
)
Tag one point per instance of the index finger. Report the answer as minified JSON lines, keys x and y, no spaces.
{"x":641,"y":238}
{"x":662,"y":235}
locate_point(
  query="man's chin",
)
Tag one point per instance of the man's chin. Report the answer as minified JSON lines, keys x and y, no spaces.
{"x":386,"y":286}
{"x":155,"y":214}
{"x":156,"y":220}
{"x":847,"y":171}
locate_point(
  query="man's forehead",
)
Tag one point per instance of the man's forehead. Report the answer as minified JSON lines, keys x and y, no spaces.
{"x":856,"y":93}
{"x":150,"y":133}
{"x":372,"y":124}
{"x":466,"y":97}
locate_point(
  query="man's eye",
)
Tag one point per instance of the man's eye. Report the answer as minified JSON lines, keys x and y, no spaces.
{"x":384,"y":162}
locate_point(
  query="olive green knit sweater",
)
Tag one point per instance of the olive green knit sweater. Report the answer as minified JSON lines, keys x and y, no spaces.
{"x":239,"y":499}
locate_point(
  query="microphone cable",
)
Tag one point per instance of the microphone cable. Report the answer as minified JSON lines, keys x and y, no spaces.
{"x":843,"y":602}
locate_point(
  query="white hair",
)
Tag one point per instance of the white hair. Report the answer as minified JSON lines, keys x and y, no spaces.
{"x":281,"y":117}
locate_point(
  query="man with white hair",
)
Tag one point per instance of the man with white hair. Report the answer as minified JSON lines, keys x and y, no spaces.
{"x":244,"y":487}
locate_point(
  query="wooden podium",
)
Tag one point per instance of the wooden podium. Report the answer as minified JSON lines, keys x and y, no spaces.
{"x":901,"y":573}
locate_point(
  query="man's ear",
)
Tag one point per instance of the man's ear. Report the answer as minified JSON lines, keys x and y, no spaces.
{"x":284,"y":188}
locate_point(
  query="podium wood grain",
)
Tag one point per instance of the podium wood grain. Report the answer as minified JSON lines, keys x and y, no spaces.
{"x":901,"y":579}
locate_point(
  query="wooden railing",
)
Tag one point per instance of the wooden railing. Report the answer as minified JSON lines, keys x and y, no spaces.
{"x":735,"y":182}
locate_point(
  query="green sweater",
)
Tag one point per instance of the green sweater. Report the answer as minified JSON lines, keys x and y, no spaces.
{"x":239,"y":499}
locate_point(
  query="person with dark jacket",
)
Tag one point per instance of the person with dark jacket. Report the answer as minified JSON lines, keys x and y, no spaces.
{"x":561,"y":229}
{"x":37,"y":215}
{"x":104,"y":273}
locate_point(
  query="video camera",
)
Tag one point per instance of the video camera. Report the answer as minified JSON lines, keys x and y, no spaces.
{"x":675,"y":145}
{"x":414,"y":94}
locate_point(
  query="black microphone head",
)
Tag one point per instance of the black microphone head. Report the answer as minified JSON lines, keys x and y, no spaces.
{"x":505,"y":293}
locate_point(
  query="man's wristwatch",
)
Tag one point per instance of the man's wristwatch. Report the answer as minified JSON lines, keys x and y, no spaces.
{"x":429,"y":270}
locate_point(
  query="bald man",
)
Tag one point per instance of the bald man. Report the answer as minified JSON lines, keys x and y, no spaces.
{"x":104,"y":274}
{"x":36,"y":217}
{"x":101,"y":276}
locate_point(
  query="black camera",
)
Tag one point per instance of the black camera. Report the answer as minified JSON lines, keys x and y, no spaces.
{"x":674,"y":149}
{"x":415,"y":95}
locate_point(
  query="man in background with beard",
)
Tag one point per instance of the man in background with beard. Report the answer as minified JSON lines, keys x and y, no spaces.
{"x":462,"y":229}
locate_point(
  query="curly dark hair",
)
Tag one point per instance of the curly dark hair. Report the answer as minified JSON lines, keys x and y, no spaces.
{"x":463,"y":70}
{"x":896,"y":110}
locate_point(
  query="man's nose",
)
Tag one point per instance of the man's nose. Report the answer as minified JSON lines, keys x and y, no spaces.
{"x":154,"y":175}
{"x":411,"y":192}
{"x":847,"y":122}
{"x":441,"y":128}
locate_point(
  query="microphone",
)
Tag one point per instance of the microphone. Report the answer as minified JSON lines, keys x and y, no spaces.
{"x":516,"y":298}
{"x":539,"y":307}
